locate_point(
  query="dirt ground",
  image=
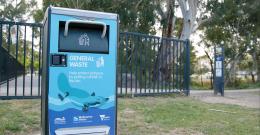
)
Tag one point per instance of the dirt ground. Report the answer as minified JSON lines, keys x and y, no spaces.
{"x":248,"y":98}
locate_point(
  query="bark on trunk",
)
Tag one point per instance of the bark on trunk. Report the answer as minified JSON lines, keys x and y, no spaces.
{"x":201,"y":80}
{"x":258,"y":66}
{"x":212,"y":69}
{"x":252,"y":77}
{"x":189,"y":11}
{"x":257,"y":56}
{"x":255,"y":64}
{"x":164,"y":60}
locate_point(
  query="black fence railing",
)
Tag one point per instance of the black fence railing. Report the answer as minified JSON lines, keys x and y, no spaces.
{"x":150,"y":65}
{"x":20,"y":63}
{"x":147,"y":65}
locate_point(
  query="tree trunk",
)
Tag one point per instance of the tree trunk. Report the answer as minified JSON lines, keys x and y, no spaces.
{"x":255,"y":64}
{"x":212,"y":74}
{"x":252,"y":77}
{"x":189,"y":11}
{"x":258,"y":67}
{"x":257,"y":60}
{"x":164,"y":60}
{"x":201,"y":73}
{"x":212,"y":69}
{"x":201,"y":81}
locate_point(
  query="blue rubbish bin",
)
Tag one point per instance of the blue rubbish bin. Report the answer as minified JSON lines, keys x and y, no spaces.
{"x":79,"y":72}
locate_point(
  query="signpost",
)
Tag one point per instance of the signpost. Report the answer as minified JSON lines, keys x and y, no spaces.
{"x":219,"y":70}
{"x":79,"y":72}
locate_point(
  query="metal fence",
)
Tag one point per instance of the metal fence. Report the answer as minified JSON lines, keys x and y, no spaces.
{"x":147,"y":65}
{"x":20,"y":60}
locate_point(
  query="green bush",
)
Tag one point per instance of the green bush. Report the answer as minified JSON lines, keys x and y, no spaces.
{"x":237,"y":84}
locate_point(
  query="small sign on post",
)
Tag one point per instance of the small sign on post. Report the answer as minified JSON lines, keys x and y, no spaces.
{"x":219,"y":71}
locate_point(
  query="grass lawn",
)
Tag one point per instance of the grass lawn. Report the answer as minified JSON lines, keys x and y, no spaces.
{"x":148,"y":115}
{"x":19,"y":117}
{"x":256,"y":93}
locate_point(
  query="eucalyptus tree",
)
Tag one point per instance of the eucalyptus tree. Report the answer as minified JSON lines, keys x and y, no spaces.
{"x":16,"y":10}
{"x":135,"y":15}
{"x":193,"y":15}
{"x":235,"y":24}
{"x":140,"y":16}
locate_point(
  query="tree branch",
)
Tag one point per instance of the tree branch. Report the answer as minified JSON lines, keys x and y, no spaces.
{"x":161,"y":13}
{"x":138,"y":4}
{"x":200,"y":22}
{"x":183,"y":7}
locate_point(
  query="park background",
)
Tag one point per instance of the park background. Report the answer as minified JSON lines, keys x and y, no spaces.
{"x":234,"y":24}
{"x":231,"y":23}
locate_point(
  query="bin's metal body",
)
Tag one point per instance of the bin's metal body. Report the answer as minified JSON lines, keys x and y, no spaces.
{"x":79,"y":71}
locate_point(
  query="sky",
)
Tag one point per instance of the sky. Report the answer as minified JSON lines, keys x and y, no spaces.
{"x":195,"y":38}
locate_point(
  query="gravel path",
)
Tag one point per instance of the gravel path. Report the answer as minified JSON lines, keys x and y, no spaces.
{"x":248,"y":97}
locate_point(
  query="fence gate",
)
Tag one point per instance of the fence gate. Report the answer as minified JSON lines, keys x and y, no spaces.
{"x":150,"y":65}
{"x":147,"y":65}
{"x":20,"y":60}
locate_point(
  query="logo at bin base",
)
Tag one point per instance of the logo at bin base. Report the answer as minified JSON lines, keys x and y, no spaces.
{"x":79,"y":119}
{"x":61,"y":120}
{"x":104,"y":117}
{"x":84,"y":40}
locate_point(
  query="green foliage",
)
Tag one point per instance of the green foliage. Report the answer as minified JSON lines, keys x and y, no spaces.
{"x":231,"y":19}
{"x":135,"y":15}
{"x":38,"y":15}
{"x":238,"y":84}
{"x":193,"y":59}
{"x":16,"y":11}
{"x":137,"y":56}
{"x":235,"y":24}
{"x":196,"y":85}
{"x":247,"y":63}
{"x":24,"y":50}
{"x":243,"y":84}
{"x":28,"y":55}
{"x":13,"y":10}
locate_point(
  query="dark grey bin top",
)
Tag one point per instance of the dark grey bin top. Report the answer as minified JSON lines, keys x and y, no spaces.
{"x":81,"y":13}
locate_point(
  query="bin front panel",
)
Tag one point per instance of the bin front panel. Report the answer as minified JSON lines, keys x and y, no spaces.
{"x":82,"y":93}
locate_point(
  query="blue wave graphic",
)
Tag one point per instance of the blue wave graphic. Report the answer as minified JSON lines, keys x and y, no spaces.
{"x":58,"y":105}
{"x":91,"y":111}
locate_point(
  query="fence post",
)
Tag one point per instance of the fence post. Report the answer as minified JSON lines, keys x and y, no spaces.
{"x":187,"y":68}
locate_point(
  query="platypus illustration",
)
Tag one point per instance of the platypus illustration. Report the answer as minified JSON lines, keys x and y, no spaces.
{"x":78,"y":97}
